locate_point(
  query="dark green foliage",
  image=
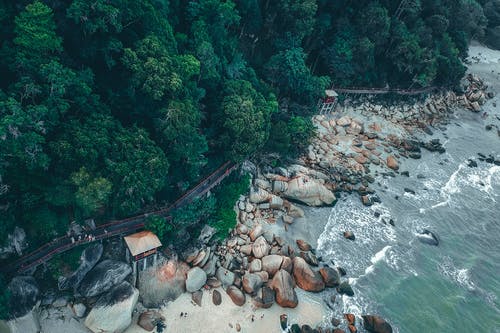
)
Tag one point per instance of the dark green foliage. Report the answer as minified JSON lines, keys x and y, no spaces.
{"x":224,"y":217}
{"x":4,"y":299}
{"x":108,"y":107}
{"x":160,"y":227}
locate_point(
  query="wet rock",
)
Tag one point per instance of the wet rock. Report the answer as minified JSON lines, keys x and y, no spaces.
{"x":216,"y":297}
{"x":118,"y":304}
{"x":197,"y":296}
{"x":196,"y":278}
{"x":335,"y":322}
{"x":236,"y":295}
{"x":350,"y":318}
{"x":376,"y":324}
{"x":409,"y":190}
{"x":283,"y":285}
{"x":338,"y":330}
{"x":303,"y":245}
{"x":89,"y":257}
{"x":330,"y":276}
{"x":305,"y":277}
{"x":306,"y":329}
{"x":366,"y":200}
{"x":295,"y":328}
{"x":392,"y":163}
{"x":345,"y":289}
{"x":103,"y":277}
{"x":352,"y":329}
{"x":342,"y":271}
{"x":24,"y":294}
{"x":428,"y":237}
{"x":349,"y":235}
{"x":310,"y":258}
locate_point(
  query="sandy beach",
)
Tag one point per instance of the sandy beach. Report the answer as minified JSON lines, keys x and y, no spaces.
{"x":225,"y":317}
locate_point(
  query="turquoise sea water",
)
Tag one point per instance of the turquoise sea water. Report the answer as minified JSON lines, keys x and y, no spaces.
{"x":454,"y":287}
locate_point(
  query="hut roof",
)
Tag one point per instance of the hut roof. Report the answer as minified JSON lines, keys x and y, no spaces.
{"x":331,"y":93}
{"x":142,"y":242}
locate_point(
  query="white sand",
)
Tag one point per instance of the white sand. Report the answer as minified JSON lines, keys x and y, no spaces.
{"x":212,"y":318}
{"x":483,"y":54}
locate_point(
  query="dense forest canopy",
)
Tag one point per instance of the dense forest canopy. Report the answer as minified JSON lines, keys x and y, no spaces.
{"x":108,"y":106}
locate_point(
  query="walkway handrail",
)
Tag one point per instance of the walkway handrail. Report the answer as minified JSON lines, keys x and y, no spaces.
{"x":135,"y":222}
{"x":371,"y":90}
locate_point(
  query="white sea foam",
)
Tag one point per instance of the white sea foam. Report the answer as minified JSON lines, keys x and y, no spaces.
{"x":460,"y":276}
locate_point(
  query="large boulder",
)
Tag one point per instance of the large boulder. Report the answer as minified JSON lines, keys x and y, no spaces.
{"x":225,"y":276}
{"x":112,"y":313}
{"x":305,"y":277}
{"x":149,"y":319}
{"x":24,"y":294}
{"x":196,"y":278}
{"x":260,"y":247}
{"x":90,"y":256}
{"x":283,"y":285}
{"x":271,"y":263}
{"x":259,"y":195}
{"x":236,"y":295}
{"x":392,"y":163}
{"x":252,"y":283}
{"x":330,"y":276}
{"x":27,"y":323}
{"x":376,"y":324}
{"x":103,"y":277}
{"x":264,"y":298}
{"x":309,"y":191}
{"x":345,"y":289}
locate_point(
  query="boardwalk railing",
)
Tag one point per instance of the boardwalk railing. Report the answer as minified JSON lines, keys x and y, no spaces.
{"x":117,"y":227}
{"x":378,"y":91}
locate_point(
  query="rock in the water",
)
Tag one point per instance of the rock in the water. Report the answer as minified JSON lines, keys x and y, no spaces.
{"x":113,"y":311}
{"x":428,"y":237}
{"x":272,"y":263}
{"x":197,"y":296}
{"x":24,"y":294}
{"x":335,"y":322}
{"x":103,"y":277}
{"x":90,"y":256}
{"x":283,"y":285}
{"x":351,"y":319}
{"x":349,"y":235}
{"x":305,"y":277}
{"x":376,"y":324}
{"x":216,"y":297}
{"x":309,"y":191}
{"x":310,"y":258}
{"x":345,"y":289}
{"x":226,"y":277}
{"x":149,"y":319}
{"x":260,"y":247}
{"x":236,"y":295}
{"x":392,"y":163}
{"x":252,"y":283}
{"x":306,"y":329}
{"x":330,"y":276}
{"x":303,"y":245}
{"x":196,"y":278}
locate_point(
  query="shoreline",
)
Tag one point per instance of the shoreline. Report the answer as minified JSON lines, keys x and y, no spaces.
{"x":311,"y":308}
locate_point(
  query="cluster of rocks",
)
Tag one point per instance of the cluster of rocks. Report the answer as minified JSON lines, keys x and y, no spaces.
{"x":100,"y":291}
{"x":475,"y":93}
{"x":373,"y":324}
{"x":257,"y":264}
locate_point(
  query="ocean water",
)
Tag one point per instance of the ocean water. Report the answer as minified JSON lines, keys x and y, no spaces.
{"x":454,"y":287}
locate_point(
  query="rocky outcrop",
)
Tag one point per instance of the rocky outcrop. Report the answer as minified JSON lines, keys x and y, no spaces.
{"x":345,"y":289}
{"x":24,"y":294}
{"x":90,"y":256}
{"x":305,"y":277}
{"x":103,"y":277}
{"x":308,"y":191}
{"x":196,"y":278}
{"x":112,"y":312}
{"x":283,"y":285}
{"x":376,"y":324}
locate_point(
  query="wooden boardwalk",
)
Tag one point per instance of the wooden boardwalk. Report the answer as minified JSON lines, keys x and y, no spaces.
{"x":117,"y":227}
{"x":379,"y":91}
